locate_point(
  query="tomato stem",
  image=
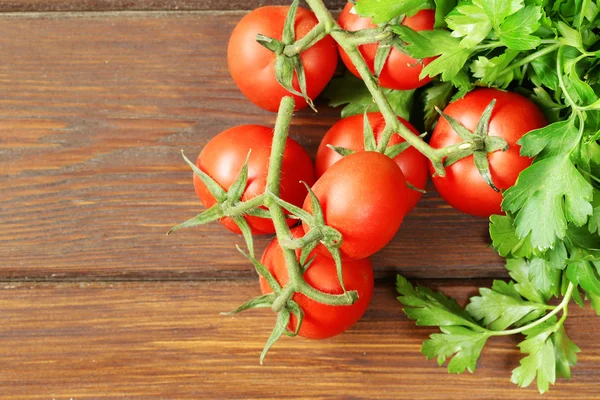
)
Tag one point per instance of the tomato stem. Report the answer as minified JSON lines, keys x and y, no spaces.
{"x":310,"y":39}
{"x":295,"y":271}
{"x":348,"y":42}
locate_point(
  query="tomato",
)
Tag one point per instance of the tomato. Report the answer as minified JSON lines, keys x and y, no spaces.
{"x":320,"y":320}
{"x":252,"y":66}
{"x":513,"y":116}
{"x":348,"y":133}
{"x":400,"y":71}
{"x":223,"y":157}
{"x":363,"y":196}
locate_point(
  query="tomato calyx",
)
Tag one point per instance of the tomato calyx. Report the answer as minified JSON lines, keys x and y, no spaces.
{"x":270,"y":300}
{"x":288,"y":66}
{"x":319,"y":233}
{"x":478,"y":143}
{"x":229,"y":203}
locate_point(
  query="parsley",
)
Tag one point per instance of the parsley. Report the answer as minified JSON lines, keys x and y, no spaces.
{"x":550,"y":235}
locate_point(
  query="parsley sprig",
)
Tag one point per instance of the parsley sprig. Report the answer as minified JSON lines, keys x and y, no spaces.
{"x":550,"y":52}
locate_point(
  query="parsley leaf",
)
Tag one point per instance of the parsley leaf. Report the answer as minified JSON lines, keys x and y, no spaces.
{"x":448,"y":64}
{"x":352,"y":92}
{"x":452,"y":57}
{"x":498,"y":10}
{"x":540,"y":361}
{"x":515,"y":31}
{"x":469,"y":22}
{"x":565,"y":352}
{"x":385,"y":10}
{"x":429,"y":308}
{"x":519,"y":271}
{"x":546,"y":196}
{"x":437,"y":95}
{"x":583,"y":274}
{"x":558,"y":138}
{"x":488,"y":70}
{"x":502,"y":306}
{"x":505,"y":239}
{"x":465,"y":344}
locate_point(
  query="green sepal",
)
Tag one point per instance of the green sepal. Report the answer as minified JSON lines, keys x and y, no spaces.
{"x":459,"y":128}
{"x":458,"y":155}
{"x":263,"y":301}
{"x":239,"y":185}
{"x":288,"y":36}
{"x":337,"y":258}
{"x":295,"y":309}
{"x":483,"y":166}
{"x":308,"y":263}
{"x":259,"y":212}
{"x":484,"y":122}
{"x":317,"y":211}
{"x":368,"y":137}
{"x":283,"y":319}
{"x":306,"y":250}
{"x":246,"y":232}
{"x":342,"y":151}
{"x":416,"y":189}
{"x":262,"y":271}
{"x":213,"y":187}
{"x":212,"y":214}
{"x":395,"y":150}
{"x":276,"y":46}
{"x":383,"y":52}
{"x":494,"y":143}
{"x":284,"y":73}
{"x":296,"y":211}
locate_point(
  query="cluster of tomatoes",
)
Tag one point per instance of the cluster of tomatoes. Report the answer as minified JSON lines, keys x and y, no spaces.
{"x":363,"y":195}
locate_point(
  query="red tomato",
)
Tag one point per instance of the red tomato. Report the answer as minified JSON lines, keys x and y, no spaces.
{"x":320,"y":320}
{"x":225,"y":154}
{"x":348,"y":133}
{"x":363,"y":196}
{"x":513,"y":116}
{"x":252,"y":66}
{"x":400,"y":72}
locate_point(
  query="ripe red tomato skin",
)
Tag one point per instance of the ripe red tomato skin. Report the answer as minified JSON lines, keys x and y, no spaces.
{"x":322,"y":321}
{"x":224,"y":155}
{"x":348,"y":133}
{"x":364,"y":197}
{"x":512,"y":117}
{"x":401,"y":72}
{"x":252,"y":66}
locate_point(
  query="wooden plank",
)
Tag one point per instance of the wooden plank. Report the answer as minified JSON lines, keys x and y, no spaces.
{"x":167,"y":340}
{"x":157,"y":5}
{"x":92,"y":117}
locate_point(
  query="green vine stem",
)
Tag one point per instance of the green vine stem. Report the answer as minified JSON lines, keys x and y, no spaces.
{"x":348,"y":43}
{"x":296,"y":281}
{"x":563,"y":306}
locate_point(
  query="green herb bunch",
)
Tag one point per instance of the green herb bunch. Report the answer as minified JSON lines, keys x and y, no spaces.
{"x":549,"y":51}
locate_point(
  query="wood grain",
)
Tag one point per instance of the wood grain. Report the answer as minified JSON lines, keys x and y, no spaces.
{"x":167,"y":340}
{"x":128,"y":5}
{"x":92,"y":117}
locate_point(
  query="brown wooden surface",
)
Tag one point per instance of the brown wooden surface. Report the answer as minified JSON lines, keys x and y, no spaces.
{"x":160,"y":5}
{"x":94,"y":108}
{"x":144,"y":340}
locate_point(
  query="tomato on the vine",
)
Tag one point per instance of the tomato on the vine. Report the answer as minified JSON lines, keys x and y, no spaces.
{"x":348,"y":133}
{"x":224,"y":155}
{"x":512,"y":117}
{"x":400,"y":72}
{"x":252,"y":66}
{"x":363,"y":196}
{"x":321,"y":320}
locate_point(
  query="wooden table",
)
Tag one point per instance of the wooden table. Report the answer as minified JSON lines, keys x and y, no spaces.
{"x":97,"y":98}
